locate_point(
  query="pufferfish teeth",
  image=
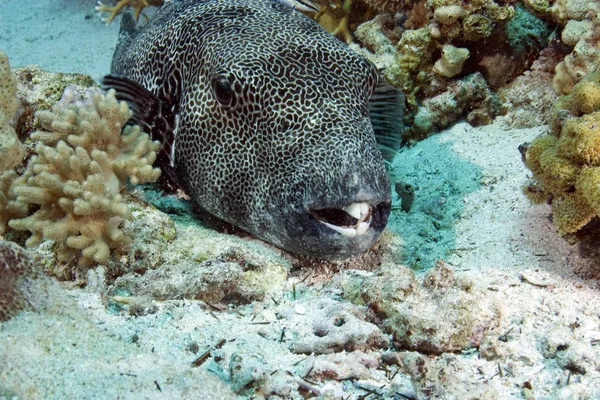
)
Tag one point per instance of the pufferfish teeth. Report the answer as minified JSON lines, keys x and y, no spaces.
{"x":350,"y":232}
{"x":362,"y":228}
{"x":353,"y":209}
{"x":360,"y":211}
{"x":365,"y":209}
{"x":359,"y":229}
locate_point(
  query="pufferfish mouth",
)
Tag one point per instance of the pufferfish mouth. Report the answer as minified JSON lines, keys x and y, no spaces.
{"x":351,"y":221}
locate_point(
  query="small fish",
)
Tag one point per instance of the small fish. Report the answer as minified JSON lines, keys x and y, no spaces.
{"x":264,"y":119}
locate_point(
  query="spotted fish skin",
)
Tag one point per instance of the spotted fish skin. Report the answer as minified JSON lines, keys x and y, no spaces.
{"x":270,"y":122}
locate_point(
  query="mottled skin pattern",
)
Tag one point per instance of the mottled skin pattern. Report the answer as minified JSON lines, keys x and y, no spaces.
{"x":296,"y":135}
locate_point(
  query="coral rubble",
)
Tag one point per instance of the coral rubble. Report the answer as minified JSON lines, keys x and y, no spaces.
{"x":440,"y":314}
{"x":566,"y":162}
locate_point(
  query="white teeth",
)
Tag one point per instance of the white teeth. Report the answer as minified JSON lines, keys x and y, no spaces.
{"x":360,"y":211}
{"x":354,"y":209}
{"x":350,"y":232}
{"x":364,"y":209}
{"x":362,"y":227}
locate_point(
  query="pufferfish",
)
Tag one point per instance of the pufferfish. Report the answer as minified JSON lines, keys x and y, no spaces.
{"x":265,"y":120}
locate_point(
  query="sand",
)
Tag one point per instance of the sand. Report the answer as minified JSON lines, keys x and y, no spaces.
{"x":544,"y":345}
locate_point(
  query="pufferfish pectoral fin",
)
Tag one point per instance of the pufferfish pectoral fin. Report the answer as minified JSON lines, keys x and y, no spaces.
{"x":386,"y":107}
{"x":153,"y":115}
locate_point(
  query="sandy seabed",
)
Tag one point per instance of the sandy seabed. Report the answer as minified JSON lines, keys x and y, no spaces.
{"x":545,"y":347}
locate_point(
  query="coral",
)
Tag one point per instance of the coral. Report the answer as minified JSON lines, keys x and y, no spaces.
{"x":373,"y":35}
{"x":562,"y":11}
{"x":468,"y":21}
{"x":584,"y":36}
{"x":9,"y":207}
{"x":527,"y":100}
{"x":341,"y":17}
{"x":387,"y":6}
{"x":82,"y":163}
{"x":11,"y":150}
{"x":138,"y":7}
{"x":414,"y":55}
{"x":525,"y":32}
{"x":450,"y":38}
{"x":40,"y":90}
{"x":16,"y":264}
{"x":581,"y":30}
{"x":448,"y":15}
{"x":468,"y":94}
{"x":451,"y":62}
{"x":566,"y":163}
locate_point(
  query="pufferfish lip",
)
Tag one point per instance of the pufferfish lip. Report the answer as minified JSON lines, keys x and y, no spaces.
{"x":352,"y":220}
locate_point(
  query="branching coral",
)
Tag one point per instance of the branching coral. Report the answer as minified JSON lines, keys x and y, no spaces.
{"x":566,"y":163}
{"x":82,"y":163}
{"x":11,"y":150}
{"x":138,"y":7}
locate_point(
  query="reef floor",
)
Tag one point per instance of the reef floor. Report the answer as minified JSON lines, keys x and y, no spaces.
{"x":512,"y":312}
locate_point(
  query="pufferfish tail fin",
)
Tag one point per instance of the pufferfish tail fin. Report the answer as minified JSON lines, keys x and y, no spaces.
{"x":386,"y":107}
{"x":153,"y":115}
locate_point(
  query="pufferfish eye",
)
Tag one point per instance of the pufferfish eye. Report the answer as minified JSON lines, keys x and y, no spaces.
{"x":223,"y":90}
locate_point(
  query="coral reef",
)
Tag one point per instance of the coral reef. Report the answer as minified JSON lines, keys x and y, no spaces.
{"x":469,"y":21}
{"x":527,"y":101}
{"x":584,"y":37}
{"x":11,"y":150}
{"x":580,"y":22}
{"x":82,"y":163}
{"x":470,"y":95}
{"x":566,"y":162}
{"x":16,"y":265}
{"x":451,"y":62}
{"x":413,"y":57}
{"x":451,"y":40}
{"x":40,"y":90}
